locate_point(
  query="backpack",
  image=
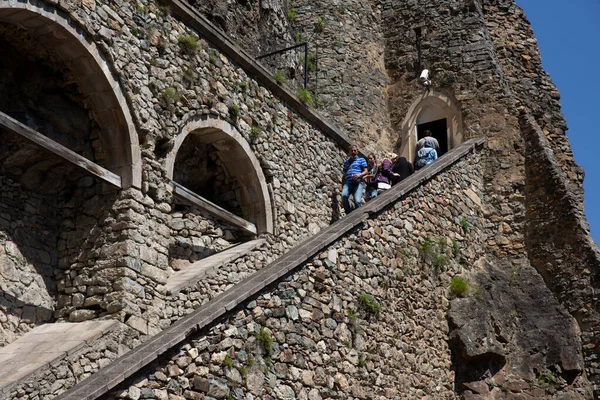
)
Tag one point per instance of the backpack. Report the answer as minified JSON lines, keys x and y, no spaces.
{"x":425,"y":156}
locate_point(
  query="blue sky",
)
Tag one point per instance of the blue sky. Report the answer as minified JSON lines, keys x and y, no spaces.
{"x":568,"y":35}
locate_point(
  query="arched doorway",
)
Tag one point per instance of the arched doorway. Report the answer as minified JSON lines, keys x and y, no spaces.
{"x":212,"y":159}
{"x":437,"y":113}
{"x":64,"y":122}
{"x":56,"y":39}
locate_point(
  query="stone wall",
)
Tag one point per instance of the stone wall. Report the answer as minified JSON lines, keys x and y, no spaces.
{"x":459,"y":54}
{"x":28,"y":257}
{"x":110,"y":253}
{"x":368,"y":318}
{"x":256,"y":26}
{"x":171,"y":76}
{"x":348,"y":75}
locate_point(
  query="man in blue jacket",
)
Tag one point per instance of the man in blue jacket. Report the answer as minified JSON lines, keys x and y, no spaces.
{"x":355,"y":168}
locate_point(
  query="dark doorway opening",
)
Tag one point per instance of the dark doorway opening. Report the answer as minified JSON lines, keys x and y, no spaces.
{"x":438,"y":130}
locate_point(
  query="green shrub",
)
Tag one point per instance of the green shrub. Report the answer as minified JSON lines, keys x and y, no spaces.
{"x":427,"y":248}
{"x":311,"y":65}
{"x":476,"y":292}
{"x":213,"y":57}
{"x":171,"y":95}
{"x":291,"y":14}
{"x":140,"y":8}
{"x":255,"y":132}
{"x":264,"y":338}
{"x":243,"y":371}
{"x":318,"y":102}
{"x":439,"y":261}
{"x":243,"y":86}
{"x":298,"y":38}
{"x":164,"y":10}
{"x":188,"y":44}
{"x":227,"y":361}
{"x":455,"y":248}
{"x":134,"y":31}
{"x":458,"y":287}
{"x":352,"y":315}
{"x":279,"y":77}
{"x":369,"y":303}
{"x":305,"y":96}
{"x":189,"y":74}
{"x":234,"y":111}
{"x":319,"y":25}
{"x":465,"y":225}
{"x":362,"y":360}
{"x":547,"y":379}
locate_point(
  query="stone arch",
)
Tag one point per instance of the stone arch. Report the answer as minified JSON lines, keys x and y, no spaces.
{"x":240,"y":162}
{"x":428,"y":107}
{"x":56,"y":30}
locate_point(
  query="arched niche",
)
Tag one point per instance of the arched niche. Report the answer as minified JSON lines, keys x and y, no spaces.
{"x":58,"y":33}
{"x":239,"y":161}
{"x":431,"y":109}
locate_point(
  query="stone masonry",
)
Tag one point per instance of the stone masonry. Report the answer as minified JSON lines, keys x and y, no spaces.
{"x":347,"y":326}
{"x":121,"y":83}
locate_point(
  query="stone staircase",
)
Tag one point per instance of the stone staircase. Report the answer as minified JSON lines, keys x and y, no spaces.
{"x":48,"y":344}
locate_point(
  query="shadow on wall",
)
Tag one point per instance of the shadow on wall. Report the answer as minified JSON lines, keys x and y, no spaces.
{"x":335,"y":206}
{"x":196,"y":235}
{"x":50,"y":223}
{"x":198,"y":168}
{"x":13,"y":309}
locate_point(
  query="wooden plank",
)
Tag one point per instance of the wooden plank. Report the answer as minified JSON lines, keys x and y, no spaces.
{"x":61,"y":151}
{"x":211,"y":208}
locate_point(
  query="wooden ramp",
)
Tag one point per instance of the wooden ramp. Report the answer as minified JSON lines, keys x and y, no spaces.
{"x":44,"y":346}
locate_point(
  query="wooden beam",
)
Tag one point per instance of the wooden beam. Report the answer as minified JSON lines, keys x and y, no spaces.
{"x":220,"y":213}
{"x":32,"y":136}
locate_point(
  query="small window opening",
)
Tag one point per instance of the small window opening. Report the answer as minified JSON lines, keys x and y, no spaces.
{"x":439,"y":130}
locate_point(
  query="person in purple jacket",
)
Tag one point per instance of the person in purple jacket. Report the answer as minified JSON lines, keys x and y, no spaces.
{"x":355,"y":168}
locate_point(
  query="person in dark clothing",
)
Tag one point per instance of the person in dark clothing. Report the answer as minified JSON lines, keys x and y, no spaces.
{"x":402,"y":168}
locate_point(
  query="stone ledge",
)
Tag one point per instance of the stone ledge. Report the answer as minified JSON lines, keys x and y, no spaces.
{"x":191,"y":274}
{"x":218,"y":307}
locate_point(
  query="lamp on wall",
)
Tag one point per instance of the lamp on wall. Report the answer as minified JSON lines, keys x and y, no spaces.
{"x":424,"y":78}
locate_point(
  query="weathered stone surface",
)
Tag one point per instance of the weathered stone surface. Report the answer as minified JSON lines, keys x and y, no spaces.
{"x":73,"y":249}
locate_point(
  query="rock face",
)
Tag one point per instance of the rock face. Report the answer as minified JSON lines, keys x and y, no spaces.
{"x":513,"y":333}
{"x":378,"y":315}
{"x":257,"y":26}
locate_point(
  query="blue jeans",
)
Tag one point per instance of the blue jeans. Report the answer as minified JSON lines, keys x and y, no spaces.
{"x":370,"y":191}
{"x":354,"y":188}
